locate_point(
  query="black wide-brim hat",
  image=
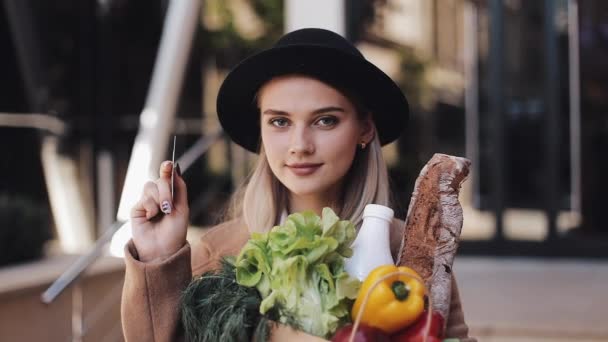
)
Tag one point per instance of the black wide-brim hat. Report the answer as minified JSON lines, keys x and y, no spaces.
{"x":323,"y":55}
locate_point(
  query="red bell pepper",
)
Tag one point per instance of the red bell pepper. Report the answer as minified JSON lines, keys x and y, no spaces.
{"x":415,"y":332}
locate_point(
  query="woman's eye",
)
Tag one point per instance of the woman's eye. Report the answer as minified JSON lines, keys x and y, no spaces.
{"x":327,"y":121}
{"x":279,"y":122}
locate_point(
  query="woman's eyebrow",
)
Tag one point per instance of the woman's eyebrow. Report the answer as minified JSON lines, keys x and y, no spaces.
{"x":328,"y":110}
{"x":322,"y":110}
{"x":274,"y":112}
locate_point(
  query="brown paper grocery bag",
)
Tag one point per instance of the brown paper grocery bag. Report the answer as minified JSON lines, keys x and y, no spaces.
{"x":284,"y":333}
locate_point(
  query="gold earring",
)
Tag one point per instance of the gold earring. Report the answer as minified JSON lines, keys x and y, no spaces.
{"x":363,"y":144}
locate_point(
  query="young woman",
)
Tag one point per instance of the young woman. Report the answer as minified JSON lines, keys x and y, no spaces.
{"x":317,"y":113}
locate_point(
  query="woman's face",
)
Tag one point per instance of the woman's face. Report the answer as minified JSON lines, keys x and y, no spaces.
{"x":310,"y":133}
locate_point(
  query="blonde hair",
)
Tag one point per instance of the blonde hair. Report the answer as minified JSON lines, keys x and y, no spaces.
{"x":261,"y":200}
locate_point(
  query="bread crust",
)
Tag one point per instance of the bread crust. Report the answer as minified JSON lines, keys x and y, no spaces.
{"x":433,"y":225}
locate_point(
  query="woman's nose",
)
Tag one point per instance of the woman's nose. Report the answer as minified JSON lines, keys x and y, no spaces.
{"x":301,"y":141}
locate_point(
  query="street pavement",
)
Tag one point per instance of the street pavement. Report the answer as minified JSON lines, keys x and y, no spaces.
{"x":534,"y":300}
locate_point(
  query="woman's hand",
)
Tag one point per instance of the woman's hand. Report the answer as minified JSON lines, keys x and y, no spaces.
{"x":159,"y":224}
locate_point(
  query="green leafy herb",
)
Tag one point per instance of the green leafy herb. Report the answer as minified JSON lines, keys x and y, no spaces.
{"x":298,"y":269}
{"x":215,"y":308}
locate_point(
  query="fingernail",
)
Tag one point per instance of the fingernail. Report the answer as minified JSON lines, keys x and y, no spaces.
{"x":178,"y":170}
{"x":166,"y":207}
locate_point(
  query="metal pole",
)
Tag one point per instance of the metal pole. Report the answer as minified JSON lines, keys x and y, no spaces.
{"x":30,"y":55}
{"x":106,"y":202}
{"x":157,"y":117}
{"x":77,"y":312}
{"x":43,"y":122}
{"x":71,"y":214}
{"x":67,"y":277}
{"x":80,"y":265}
{"x":64,"y":190}
{"x":153,"y":136}
{"x":575,"y":106}
{"x":552,"y":118}
{"x":108,"y":79}
{"x":496,"y":75}
{"x":471,"y":58}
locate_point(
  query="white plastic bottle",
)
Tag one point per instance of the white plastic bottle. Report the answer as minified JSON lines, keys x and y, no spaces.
{"x":372,"y":247}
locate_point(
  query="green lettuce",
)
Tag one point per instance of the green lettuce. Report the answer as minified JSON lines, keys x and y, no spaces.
{"x":298,"y":269}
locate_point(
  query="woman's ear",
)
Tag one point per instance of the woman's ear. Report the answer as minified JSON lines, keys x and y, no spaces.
{"x":368,"y":129}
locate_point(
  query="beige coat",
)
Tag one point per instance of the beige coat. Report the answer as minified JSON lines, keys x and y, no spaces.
{"x":151,"y":293}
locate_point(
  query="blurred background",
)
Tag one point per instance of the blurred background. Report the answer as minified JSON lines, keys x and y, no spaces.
{"x":92,"y":93}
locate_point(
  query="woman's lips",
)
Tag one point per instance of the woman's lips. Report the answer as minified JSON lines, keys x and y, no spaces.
{"x":304,"y":169}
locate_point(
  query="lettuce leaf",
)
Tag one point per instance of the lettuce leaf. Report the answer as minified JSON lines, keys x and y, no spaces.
{"x":298,"y":269}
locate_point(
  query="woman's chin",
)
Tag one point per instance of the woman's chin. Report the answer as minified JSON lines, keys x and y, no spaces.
{"x":308,"y":188}
{"x":303,"y":191}
{"x":318,"y":184}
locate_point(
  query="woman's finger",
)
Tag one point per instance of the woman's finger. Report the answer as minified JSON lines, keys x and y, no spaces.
{"x":180,"y":193}
{"x":165,"y":169}
{"x":151,"y":207}
{"x":164,"y":194}
{"x":180,"y":197}
{"x":151,"y":190}
{"x":138,"y":210}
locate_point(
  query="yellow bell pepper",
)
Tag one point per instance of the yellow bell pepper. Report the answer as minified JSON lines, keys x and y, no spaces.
{"x":394,"y":304}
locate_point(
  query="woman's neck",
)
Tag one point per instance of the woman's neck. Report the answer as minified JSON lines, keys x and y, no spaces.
{"x":316,"y":203}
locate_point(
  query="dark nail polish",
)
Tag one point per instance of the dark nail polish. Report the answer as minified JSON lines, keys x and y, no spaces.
{"x":178,"y":170}
{"x":166,"y":207}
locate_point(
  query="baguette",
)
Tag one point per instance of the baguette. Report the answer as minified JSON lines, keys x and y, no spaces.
{"x":433,"y":224}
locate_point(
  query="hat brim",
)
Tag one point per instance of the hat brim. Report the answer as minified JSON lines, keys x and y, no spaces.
{"x":238,"y":112}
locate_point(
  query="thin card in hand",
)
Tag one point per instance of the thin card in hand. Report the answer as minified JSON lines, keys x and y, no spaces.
{"x":173,"y":167}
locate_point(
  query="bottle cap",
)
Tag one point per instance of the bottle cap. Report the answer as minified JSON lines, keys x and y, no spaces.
{"x":379,"y":211}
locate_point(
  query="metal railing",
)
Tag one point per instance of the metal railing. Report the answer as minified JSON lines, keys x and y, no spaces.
{"x":42,"y":122}
{"x":76,"y":269}
{"x":156,"y":120}
{"x":82,"y":323}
